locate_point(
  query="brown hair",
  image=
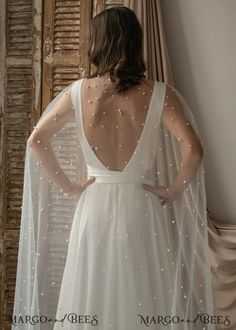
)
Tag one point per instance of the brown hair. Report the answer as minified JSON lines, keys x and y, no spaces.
{"x":116,"y":47}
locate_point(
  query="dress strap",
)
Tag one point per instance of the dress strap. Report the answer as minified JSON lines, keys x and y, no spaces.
{"x":75,"y":93}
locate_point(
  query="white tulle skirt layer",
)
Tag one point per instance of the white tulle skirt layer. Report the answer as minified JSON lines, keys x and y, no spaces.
{"x":119,"y":265}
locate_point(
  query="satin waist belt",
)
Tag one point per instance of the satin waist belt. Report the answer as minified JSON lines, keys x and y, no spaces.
{"x":117,"y":176}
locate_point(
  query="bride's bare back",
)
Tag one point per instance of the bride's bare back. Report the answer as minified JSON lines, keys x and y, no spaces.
{"x":113,"y":123}
{"x":113,"y":126}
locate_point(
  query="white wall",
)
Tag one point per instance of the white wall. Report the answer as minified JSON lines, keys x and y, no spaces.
{"x":201,"y":37}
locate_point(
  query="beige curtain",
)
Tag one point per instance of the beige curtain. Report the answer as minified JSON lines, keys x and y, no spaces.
{"x":155,"y":48}
{"x":222,"y":237}
{"x":222,"y":242}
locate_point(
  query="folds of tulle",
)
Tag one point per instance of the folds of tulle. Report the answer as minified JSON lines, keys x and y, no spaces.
{"x":119,"y":259}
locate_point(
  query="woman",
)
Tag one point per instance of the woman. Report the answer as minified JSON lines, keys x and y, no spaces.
{"x":131,"y":251}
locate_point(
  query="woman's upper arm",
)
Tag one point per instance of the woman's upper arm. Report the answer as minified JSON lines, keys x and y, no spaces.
{"x":174,"y":120}
{"x":53,"y":121}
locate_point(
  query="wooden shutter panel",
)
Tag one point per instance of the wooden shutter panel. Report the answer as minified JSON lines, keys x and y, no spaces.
{"x":99,"y":5}
{"x":66,"y":36}
{"x":112,"y":3}
{"x":19,"y":104}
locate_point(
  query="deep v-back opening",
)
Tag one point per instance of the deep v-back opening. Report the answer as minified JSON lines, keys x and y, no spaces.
{"x":140,"y":141}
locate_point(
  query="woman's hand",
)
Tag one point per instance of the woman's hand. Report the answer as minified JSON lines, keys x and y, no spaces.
{"x":78,"y":186}
{"x":164,"y":194}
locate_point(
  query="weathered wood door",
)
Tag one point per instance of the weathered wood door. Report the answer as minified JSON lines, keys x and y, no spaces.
{"x":20,"y":79}
{"x":43,"y":49}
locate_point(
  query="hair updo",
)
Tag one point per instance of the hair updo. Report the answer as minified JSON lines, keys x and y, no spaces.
{"x":116,"y":47}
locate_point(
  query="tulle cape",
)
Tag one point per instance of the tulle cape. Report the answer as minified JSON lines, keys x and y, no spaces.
{"x":47,"y":216}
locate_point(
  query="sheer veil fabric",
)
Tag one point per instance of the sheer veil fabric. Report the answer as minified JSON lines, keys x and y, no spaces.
{"x":48,"y":213}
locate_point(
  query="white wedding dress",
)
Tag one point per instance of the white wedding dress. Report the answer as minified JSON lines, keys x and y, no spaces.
{"x":116,"y":258}
{"x":118,"y":267}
